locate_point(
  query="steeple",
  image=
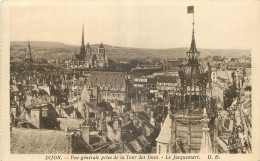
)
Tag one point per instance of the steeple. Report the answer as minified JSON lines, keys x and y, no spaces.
{"x":82,"y":48}
{"x":29,"y":53}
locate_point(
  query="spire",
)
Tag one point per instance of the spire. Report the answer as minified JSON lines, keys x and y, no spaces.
{"x":82,"y":42}
{"x":29,"y":50}
{"x":82,"y":48}
{"x":192,"y":53}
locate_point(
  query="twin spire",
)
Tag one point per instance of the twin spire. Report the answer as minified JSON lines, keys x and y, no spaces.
{"x":82,"y":41}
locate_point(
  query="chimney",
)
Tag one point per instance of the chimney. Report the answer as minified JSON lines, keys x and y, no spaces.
{"x":85,"y":133}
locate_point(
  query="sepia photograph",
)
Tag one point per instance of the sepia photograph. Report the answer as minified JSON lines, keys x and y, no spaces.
{"x":118,"y":77}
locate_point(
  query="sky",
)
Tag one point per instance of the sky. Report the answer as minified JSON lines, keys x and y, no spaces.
{"x":142,"y":24}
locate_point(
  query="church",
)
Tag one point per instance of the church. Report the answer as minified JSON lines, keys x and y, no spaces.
{"x":87,"y":58}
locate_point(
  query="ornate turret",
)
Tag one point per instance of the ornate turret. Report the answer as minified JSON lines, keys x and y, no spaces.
{"x":193,"y":53}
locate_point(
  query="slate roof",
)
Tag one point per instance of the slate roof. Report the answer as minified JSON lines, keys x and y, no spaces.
{"x":130,"y":132}
{"x":105,"y":106}
{"x":71,"y":109}
{"x":143,"y":115}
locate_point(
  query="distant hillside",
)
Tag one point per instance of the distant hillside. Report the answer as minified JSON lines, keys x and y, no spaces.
{"x":64,"y":51}
{"x":39,"y":44}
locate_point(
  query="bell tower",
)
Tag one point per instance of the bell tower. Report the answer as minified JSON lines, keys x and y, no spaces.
{"x":88,"y":49}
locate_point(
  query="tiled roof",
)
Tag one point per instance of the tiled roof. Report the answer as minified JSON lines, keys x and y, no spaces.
{"x":144,"y":72}
{"x":28,"y":141}
{"x":167,"y":79}
{"x":112,"y":79}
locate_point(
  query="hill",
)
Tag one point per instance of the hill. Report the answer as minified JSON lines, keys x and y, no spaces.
{"x":58,"y":50}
